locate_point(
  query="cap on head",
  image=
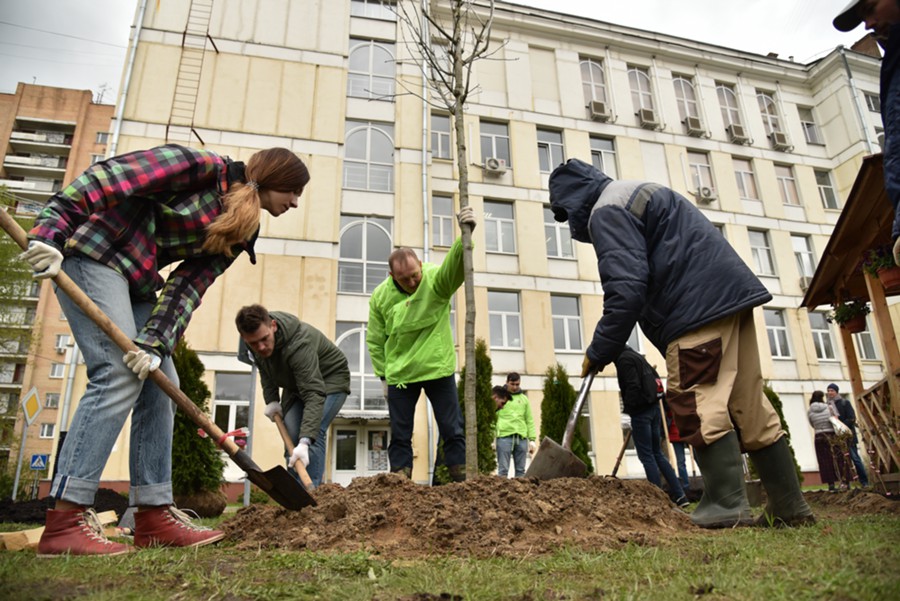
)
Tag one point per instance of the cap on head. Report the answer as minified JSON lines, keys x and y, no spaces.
{"x":849,"y":18}
{"x":834,"y":387}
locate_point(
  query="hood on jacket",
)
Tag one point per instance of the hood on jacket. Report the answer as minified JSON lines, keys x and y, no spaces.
{"x":575,"y":187}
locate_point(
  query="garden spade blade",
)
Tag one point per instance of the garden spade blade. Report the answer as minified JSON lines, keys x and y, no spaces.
{"x":275,"y":482}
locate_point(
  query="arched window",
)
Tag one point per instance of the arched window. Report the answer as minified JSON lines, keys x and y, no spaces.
{"x":593,"y":81}
{"x":769,"y":112}
{"x":364,"y":249}
{"x":685,"y":97}
{"x":365,"y":387}
{"x":728,"y":102}
{"x":369,"y":156}
{"x":641,"y":90}
{"x":371,"y":70}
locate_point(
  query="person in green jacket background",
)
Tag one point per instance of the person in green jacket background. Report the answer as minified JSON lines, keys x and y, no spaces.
{"x":411,"y":347}
{"x":312,"y":372}
{"x":515,"y":434}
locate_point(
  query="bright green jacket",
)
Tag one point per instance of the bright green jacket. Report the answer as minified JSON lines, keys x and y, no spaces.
{"x":515,"y":418}
{"x":409,"y":335}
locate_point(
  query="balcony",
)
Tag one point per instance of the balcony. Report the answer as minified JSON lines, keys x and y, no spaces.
{"x":43,"y":167}
{"x":31,"y":191}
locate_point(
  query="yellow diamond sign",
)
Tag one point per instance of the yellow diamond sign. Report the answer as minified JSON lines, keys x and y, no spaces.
{"x":31,"y":405}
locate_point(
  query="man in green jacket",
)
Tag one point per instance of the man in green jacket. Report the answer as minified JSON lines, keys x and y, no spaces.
{"x":411,"y":346}
{"x":515,"y":429}
{"x":312,"y":372}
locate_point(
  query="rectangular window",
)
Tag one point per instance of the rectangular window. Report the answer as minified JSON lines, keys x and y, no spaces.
{"x":810,"y":129}
{"x":102,"y":137}
{"x":62,"y":341}
{"x":776,"y":328}
{"x":440,"y":137}
{"x":442,"y":220}
{"x":505,"y":321}
{"x":762,"y":252}
{"x":787,"y":184}
{"x":495,"y":141}
{"x":373,"y":9}
{"x":499,"y":227}
{"x":57,"y":370}
{"x":51,"y":400}
{"x":806,"y":260}
{"x":96,"y":158}
{"x":603,"y":156}
{"x":821,"y":333}
{"x":47,"y":430}
{"x":566,"y":323}
{"x":559,"y":237}
{"x":873,"y":101}
{"x":865,"y":346}
{"x":231,"y":404}
{"x":826,"y":190}
{"x":746,"y":181}
{"x":550,"y":150}
{"x":701,"y":172}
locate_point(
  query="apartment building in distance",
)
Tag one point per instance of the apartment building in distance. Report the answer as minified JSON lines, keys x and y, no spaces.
{"x":765,"y":147}
{"x":47,"y":137}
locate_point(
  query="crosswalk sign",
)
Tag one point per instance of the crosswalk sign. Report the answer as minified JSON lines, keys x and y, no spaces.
{"x":39,"y":462}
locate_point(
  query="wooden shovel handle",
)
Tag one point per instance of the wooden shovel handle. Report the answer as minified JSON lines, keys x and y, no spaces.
{"x":289,"y":446}
{"x":89,"y":308}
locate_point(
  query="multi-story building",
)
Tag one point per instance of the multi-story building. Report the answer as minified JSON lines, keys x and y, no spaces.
{"x":765,"y":147}
{"x":47,"y":137}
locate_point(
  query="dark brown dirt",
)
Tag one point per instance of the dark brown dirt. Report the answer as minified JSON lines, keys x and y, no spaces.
{"x":35,"y":512}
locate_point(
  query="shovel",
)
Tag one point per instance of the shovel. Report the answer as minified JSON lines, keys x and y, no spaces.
{"x":289,"y":446}
{"x":558,"y":461}
{"x":276,"y":482}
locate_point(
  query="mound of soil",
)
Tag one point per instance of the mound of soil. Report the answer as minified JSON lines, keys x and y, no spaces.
{"x":393,"y":517}
{"x":35,"y":512}
{"x":855,"y":501}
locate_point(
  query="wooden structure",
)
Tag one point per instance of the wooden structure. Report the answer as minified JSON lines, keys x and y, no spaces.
{"x":865,"y":223}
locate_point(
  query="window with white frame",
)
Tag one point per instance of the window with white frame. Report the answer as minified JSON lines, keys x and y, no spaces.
{"x":505,"y":320}
{"x":442,"y":220}
{"x":370,"y":71}
{"x":593,"y":80}
{"x":769,"y":112}
{"x":47,"y":430}
{"x":51,"y":400}
{"x":826,"y":190}
{"x":641,"y":88}
{"x":761,"y":250}
{"x":96,"y":158}
{"x":787,"y":184}
{"x":566,"y":317}
{"x":440,"y":137}
{"x":810,"y":129}
{"x":806,"y":259}
{"x":499,"y":227}
{"x":369,"y":156}
{"x":57,"y":370}
{"x":559,"y":237}
{"x":373,"y":9}
{"x":821,"y":334}
{"x":728,"y":103}
{"x":776,"y":329}
{"x":102,"y":137}
{"x":62,"y":341}
{"x":603,"y":156}
{"x":701,"y":171}
{"x":873,"y":101}
{"x":865,"y":345}
{"x":685,"y":97}
{"x":495,"y":141}
{"x":365,"y":245}
{"x":550,"y":149}
{"x":365,"y":387}
{"x":7,"y":400}
{"x":7,"y":373}
{"x":231,"y":401}
{"x":746,"y":181}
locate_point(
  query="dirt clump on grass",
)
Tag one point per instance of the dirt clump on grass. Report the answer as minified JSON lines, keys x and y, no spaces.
{"x":853,"y":502}
{"x":390,"y":516}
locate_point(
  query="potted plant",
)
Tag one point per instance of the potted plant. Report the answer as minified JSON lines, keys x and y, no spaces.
{"x":879,"y":262}
{"x":850,"y":315}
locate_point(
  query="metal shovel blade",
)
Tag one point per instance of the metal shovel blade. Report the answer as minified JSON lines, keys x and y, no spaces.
{"x":554,"y":461}
{"x":275,"y":482}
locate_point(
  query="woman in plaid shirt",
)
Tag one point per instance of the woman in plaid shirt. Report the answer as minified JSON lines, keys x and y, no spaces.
{"x":112,"y":230}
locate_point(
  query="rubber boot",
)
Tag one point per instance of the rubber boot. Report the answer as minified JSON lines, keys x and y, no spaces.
{"x":167,"y":526}
{"x":76,"y":532}
{"x":786,"y":505}
{"x":457,"y":473}
{"x":724,"y":502}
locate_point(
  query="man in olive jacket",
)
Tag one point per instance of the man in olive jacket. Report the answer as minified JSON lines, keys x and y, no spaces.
{"x":312,"y":372}
{"x":411,"y":346}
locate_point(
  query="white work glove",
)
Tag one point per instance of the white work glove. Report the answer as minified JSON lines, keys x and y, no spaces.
{"x":141,"y":363}
{"x":44,"y":259}
{"x":273,"y":409}
{"x":301,"y":453}
{"x":466,"y":215}
{"x":897,"y":252}
{"x":532,"y":447}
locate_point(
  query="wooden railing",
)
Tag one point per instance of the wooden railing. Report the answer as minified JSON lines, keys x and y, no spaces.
{"x":879,"y":427}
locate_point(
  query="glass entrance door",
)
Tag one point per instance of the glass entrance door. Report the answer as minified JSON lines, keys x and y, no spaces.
{"x":359,"y":451}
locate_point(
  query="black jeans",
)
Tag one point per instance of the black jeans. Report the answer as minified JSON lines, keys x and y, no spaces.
{"x":402,"y":410}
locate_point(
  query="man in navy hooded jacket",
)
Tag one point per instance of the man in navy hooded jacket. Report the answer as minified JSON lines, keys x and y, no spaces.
{"x":664,"y":266}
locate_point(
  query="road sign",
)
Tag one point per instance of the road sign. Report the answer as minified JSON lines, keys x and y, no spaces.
{"x":31,"y":405}
{"x":39,"y":462}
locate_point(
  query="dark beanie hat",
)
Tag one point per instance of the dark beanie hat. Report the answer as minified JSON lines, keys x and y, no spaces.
{"x":834,"y":387}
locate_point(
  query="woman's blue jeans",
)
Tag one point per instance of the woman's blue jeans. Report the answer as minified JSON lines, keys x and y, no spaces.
{"x":292,"y":420}
{"x":113,"y":392}
{"x":646,"y":431}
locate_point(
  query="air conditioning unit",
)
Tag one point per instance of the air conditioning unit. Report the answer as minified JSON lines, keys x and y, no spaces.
{"x":495,"y":166}
{"x":737,"y":134}
{"x":598,"y":111}
{"x":780,"y":141}
{"x":647,"y":119}
{"x":805,"y":281}
{"x":694,"y":127}
{"x":705,"y":195}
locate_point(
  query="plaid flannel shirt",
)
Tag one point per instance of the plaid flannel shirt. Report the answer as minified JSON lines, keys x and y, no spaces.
{"x":139,"y":212}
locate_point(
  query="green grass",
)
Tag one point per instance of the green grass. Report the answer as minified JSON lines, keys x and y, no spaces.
{"x":838,"y":559}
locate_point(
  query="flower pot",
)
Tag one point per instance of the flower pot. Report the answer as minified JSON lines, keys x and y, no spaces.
{"x":890,"y":278}
{"x":855,"y":325}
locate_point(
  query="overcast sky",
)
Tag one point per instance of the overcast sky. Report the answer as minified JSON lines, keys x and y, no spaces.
{"x":81,"y":43}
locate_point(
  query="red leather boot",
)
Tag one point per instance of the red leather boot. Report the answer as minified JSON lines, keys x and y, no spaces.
{"x":76,"y":532}
{"x":167,"y":526}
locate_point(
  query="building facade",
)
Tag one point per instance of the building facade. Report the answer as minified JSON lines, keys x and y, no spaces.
{"x":765,"y":147}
